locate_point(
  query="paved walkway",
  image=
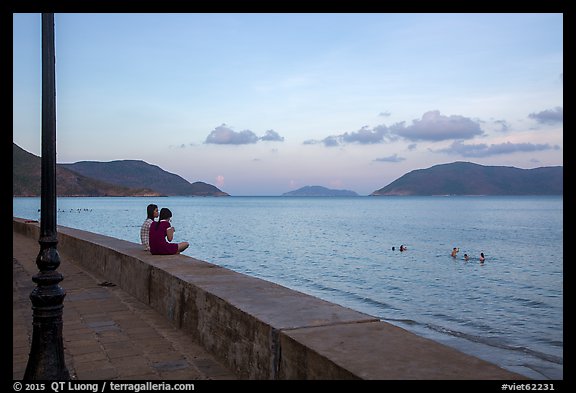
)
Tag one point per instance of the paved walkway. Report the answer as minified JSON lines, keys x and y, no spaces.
{"x":108,"y":334}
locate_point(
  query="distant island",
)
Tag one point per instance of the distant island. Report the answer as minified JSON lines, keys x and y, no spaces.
{"x":319,"y":191}
{"x":466,"y":178}
{"x":93,"y":178}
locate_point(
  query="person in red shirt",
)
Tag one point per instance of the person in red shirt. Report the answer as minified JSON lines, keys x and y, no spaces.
{"x":161,"y":235}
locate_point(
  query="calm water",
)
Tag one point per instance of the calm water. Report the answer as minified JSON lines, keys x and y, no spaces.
{"x":508,"y":310}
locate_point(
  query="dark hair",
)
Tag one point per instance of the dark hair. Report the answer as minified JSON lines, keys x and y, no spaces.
{"x":165,"y":214}
{"x":150,"y":211}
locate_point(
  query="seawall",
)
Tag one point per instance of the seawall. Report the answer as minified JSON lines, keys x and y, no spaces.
{"x":262,"y":330}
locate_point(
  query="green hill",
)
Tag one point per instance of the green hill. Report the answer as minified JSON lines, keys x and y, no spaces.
{"x":136,"y":174}
{"x":26,"y":178}
{"x":466,"y":178}
{"x":116,"y":178}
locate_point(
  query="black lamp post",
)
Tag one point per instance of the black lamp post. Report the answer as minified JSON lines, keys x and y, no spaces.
{"x":46,"y":359}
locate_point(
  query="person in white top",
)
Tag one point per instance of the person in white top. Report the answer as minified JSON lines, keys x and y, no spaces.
{"x":152,"y":213}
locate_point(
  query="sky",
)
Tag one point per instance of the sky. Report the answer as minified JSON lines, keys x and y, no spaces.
{"x":263,"y":104}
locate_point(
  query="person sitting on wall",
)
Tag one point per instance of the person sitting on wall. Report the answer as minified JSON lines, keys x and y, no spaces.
{"x":161,"y":235}
{"x":152,"y":213}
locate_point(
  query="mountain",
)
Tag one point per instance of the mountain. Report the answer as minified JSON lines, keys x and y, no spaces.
{"x":466,"y":178}
{"x":136,"y":173}
{"x":90,"y":178}
{"x":319,"y":191}
{"x":26,"y":179}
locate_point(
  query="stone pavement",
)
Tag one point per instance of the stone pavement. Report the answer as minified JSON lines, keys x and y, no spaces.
{"x":108,"y":334}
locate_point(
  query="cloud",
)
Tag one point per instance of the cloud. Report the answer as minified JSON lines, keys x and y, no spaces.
{"x":435,"y":127}
{"x":331,"y":141}
{"x":272,"y":135}
{"x":432,"y":127}
{"x":366,"y":136}
{"x":223,"y":135}
{"x":384,"y":114}
{"x":484,"y":150}
{"x":549,"y":116}
{"x":180,"y":146}
{"x":503,"y":124}
{"x":392,"y":158}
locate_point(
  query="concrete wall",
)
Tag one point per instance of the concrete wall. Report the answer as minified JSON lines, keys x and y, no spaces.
{"x":260,"y":329}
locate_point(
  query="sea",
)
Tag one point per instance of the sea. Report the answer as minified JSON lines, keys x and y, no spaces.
{"x":507,"y":310}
